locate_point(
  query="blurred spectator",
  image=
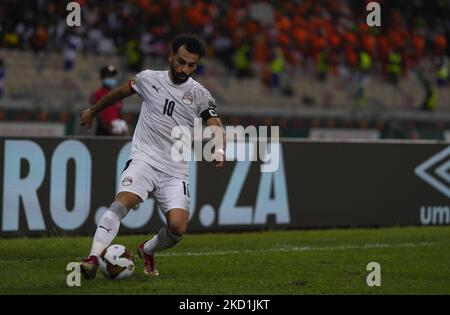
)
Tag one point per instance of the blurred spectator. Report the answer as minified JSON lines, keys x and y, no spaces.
{"x":39,"y":39}
{"x":442,"y":73}
{"x":394,"y":66}
{"x":277,"y":68}
{"x":430,"y":101}
{"x":326,"y":34}
{"x":323,"y":64}
{"x":242,"y":61}
{"x":262,"y":11}
{"x":223,"y":49}
{"x":362,"y":77}
{"x":2,"y":78}
{"x":133,"y":55}
{"x":109,"y":121}
{"x":72,"y":43}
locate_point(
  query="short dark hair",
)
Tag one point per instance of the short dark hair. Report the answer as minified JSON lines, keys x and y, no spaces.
{"x":194,"y":43}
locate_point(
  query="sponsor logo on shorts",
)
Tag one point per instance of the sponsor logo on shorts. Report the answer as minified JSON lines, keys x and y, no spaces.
{"x":127,"y":181}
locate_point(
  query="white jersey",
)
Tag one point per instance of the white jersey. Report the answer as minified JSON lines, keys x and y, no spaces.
{"x":166,"y":105}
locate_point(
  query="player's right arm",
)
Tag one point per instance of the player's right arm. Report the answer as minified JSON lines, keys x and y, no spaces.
{"x":87,"y":116}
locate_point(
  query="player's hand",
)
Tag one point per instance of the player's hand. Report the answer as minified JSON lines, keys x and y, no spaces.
{"x":219,"y":158}
{"x":87,"y":117}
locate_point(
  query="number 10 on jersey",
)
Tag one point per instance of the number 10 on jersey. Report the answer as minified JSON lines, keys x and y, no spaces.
{"x":168,"y":107}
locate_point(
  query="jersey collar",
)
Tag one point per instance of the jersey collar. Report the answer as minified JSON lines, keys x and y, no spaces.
{"x":169,"y":80}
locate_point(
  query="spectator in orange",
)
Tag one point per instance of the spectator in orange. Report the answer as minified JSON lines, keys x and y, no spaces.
{"x":417,"y":49}
{"x":383,"y":48}
{"x":396,"y":39}
{"x":300,"y":34}
{"x":440,"y":44}
{"x":334,"y":40}
{"x":351,"y":56}
{"x":260,"y":50}
{"x":39,"y":38}
{"x":369,"y":43}
{"x":199,"y":14}
{"x":350,"y":38}
{"x":318,"y":43}
{"x":176,"y":14}
{"x":144,"y":4}
{"x":283,"y":23}
{"x":418,"y":43}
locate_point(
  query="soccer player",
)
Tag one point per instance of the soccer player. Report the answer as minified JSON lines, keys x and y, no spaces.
{"x":171,"y":98}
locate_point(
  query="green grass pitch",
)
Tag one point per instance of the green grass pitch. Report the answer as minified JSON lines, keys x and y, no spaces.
{"x":413,"y":260}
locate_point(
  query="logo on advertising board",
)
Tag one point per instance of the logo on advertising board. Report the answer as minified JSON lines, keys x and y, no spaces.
{"x":435,"y":171}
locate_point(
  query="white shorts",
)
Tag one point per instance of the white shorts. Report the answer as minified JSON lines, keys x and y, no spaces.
{"x":142,"y":179}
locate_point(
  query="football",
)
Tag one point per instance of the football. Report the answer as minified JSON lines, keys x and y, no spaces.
{"x":116,"y":262}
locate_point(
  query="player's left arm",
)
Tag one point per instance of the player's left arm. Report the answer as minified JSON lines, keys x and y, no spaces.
{"x":214,"y":122}
{"x":219,"y":140}
{"x":207,"y":111}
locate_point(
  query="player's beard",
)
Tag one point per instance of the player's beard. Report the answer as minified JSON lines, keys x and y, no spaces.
{"x":178,"y":77}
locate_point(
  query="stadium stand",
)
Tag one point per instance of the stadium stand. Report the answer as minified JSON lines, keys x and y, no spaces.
{"x":293,"y":59}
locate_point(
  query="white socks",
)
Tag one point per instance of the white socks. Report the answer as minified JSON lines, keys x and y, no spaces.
{"x":108,"y":227}
{"x":163,"y":240}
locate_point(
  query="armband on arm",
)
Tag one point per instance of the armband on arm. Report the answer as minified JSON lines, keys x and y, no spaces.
{"x":208,"y":113}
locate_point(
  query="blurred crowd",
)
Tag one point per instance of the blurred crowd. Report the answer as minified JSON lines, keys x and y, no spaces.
{"x":329,"y":36}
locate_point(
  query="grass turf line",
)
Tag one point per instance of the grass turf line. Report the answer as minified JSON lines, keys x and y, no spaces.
{"x":414,"y":260}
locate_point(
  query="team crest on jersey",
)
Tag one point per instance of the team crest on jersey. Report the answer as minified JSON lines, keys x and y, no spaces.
{"x":127,"y":181}
{"x":188,"y":98}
